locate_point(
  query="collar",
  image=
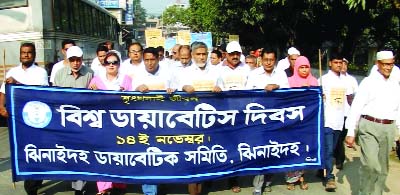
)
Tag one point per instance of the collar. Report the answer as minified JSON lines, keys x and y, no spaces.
{"x":29,"y":68}
{"x":80,"y":71}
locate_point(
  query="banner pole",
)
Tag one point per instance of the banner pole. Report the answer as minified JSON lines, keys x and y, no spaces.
{"x":320,"y":81}
{"x":4,"y":65}
{"x":320,"y":66}
{"x":14,"y":187}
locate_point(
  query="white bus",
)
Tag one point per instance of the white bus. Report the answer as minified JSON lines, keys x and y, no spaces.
{"x":46,"y":23}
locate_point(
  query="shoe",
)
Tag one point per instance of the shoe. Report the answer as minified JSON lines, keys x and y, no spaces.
{"x":257,"y":193}
{"x":339,"y":166}
{"x":268,"y":188}
{"x":80,"y":192}
{"x":330,"y":185}
{"x":290,"y":186}
{"x":236,"y":189}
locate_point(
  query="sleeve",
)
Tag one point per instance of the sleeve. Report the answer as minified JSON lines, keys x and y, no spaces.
{"x":356,"y":108}
{"x":127,"y":84}
{"x":250,"y":82}
{"x":283,"y":81}
{"x":3,"y":85}
{"x":57,"y":79}
{"x":44,"y":78}
{"x":53,"y":73}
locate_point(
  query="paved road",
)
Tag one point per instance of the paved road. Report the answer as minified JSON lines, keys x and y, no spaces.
{"x":347,"y":180}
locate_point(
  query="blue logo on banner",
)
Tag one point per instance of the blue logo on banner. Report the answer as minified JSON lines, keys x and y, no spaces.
{"x":36,"y":114}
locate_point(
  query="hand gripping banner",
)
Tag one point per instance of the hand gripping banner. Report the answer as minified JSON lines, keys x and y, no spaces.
{"x":131,"y":137}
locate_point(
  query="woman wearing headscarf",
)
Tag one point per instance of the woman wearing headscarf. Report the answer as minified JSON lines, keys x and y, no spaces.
{"x":302,"y":77}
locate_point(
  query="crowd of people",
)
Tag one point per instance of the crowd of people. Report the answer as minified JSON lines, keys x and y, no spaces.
{"x":371,"y":108}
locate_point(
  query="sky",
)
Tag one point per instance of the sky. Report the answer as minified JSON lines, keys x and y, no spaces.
{"x":156,"y":7}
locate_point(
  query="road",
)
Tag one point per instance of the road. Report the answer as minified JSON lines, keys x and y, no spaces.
{"x":347,"y":180}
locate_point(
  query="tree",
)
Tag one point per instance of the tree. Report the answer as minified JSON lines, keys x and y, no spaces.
{"x":175,"y":14}
{"x":350,"y":25}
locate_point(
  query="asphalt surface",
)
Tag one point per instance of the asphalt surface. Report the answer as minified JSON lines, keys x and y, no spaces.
{"x":347,"y":180}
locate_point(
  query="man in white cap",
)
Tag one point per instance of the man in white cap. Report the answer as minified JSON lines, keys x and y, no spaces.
{"x":395,"y":74}
{"x":287,"y":63}
{"x":76,"y":76}
{"x":373,"y":112}
{"x":234,"y":72}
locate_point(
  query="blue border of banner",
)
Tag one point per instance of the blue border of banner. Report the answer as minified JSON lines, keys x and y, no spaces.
{"x":15,"y":144}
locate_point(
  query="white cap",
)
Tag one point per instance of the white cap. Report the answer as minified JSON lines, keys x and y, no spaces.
{"x":233,"y":46}
{"x":383,"y":55}
{"x":345,"y":60}
{"x":74,"y":51}
{"x":293,"y":51}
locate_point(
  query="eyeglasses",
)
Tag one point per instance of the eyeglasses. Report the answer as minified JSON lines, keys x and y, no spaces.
{"x":107,"y":63}
{"x":135,"y":51}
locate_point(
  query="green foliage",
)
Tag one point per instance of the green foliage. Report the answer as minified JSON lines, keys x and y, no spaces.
{"x":140,"y":14}
{"x":175,"y":14}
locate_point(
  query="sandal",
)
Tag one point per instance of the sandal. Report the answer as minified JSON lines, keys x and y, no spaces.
{"x":236,"y":189}
{"x":103,"y":193}
{"x":290,"y":186}
{"x":303,"y":184}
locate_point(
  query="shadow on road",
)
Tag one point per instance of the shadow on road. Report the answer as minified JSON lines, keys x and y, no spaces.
{"x":350,"y":172}
{"x":5,"y":164}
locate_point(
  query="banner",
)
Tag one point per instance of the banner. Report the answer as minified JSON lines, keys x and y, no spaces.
{"x":153,"y":138}
{"x":183,"y":37}
{"x":233,"y":38}
{"x":204,"y":37}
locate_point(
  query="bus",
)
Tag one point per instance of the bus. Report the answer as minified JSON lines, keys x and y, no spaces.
{"x":46,"y":23}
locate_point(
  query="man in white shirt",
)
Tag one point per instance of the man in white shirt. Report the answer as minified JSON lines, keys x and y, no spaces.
{"x":234,"y":72}
{"x":334,"y":91}
{"x":216,"y":58}
{"x":339,"y":151}
{"x":251,"y":61}
{"x":269,"y":78}
{"x":154,"y":76}
{"x":26,"y":73}
{"x":201,"y":76}
{"x":394,"y":75}
{"x":287,"y":64}
{"x":134,"y":64}
{"x":65,"y":44}
{"x":375,"y":112}
{"x":97,"y":64}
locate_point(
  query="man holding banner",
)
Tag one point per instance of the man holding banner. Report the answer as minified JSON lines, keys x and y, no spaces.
{"x":134,"y":64}
{"x":28,"y":73}
{"x":269,"y":78}
{"x":200,"y":77}
{"x":76,"y":76}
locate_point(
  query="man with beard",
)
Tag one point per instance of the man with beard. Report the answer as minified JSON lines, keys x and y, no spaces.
{"x":201,"y":76}
{"x":26,"y":73}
